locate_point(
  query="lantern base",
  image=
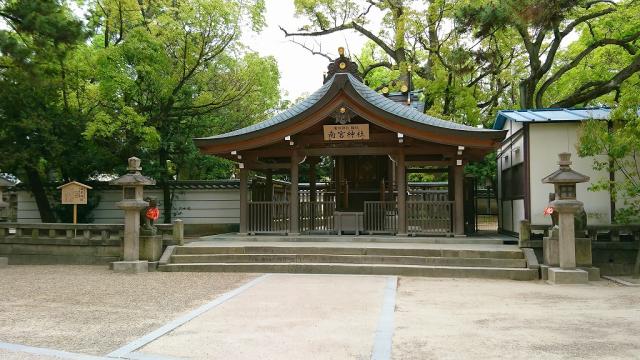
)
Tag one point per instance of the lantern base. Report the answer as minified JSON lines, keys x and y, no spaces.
{"x":567,"y":276}
{"x":130,"y":267}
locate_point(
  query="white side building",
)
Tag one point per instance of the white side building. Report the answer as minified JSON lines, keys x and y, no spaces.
{"x":530,"y":152}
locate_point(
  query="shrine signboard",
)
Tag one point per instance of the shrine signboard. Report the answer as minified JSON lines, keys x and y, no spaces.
{"x":346,"y":132}
{"x":74,"y":193}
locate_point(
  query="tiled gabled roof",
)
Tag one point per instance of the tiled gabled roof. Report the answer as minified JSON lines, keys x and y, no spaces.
{"x":383,"y":103}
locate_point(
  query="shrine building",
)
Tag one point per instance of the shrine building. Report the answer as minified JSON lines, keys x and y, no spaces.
{"x":370,"y":142}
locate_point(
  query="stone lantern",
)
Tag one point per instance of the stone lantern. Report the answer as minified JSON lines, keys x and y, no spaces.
{"x":566,"y":205}
{"x":132,"y":202}
{"x":4,"y":184}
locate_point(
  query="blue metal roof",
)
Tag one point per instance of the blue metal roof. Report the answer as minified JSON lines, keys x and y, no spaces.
{"x":551,"y":115}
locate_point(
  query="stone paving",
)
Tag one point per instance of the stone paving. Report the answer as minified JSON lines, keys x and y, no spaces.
{"x":279,"y":316}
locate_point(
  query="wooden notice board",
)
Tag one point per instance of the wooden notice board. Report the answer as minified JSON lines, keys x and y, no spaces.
{"x":346,"y":132}
{"x":74,"y":193}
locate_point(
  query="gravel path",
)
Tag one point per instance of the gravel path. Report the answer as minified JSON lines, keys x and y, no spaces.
{"x":91,"y":310}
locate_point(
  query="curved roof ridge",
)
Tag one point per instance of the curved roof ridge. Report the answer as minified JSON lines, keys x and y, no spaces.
{"x":370,"y":96}
{"x":404,"y":111}
{"x":281,"y":116}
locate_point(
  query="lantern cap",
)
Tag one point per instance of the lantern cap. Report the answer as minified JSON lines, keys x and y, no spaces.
{"x":4,"y":183}
{"x":134,"y":177}
{"x":565,"y":175}
{"x":134,"y":164}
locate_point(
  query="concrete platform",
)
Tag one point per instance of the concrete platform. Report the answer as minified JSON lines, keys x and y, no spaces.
{"x":4,"y":262}
{"x":593,"y":272}
{"x":130,"y":267}
{"x":567,"y":276}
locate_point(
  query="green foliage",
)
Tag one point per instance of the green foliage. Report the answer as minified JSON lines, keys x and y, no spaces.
{"x":617,"y":149}
{"x":153,"y":75}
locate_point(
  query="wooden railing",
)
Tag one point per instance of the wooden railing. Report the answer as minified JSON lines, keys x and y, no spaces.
{"x":429,"y":217}
{"x":268,"y":217}
{"x":380,"y":217}
{"x":317,"y":216}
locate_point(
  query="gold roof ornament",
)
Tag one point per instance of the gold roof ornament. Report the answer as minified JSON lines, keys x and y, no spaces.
{"x":341,"y":51}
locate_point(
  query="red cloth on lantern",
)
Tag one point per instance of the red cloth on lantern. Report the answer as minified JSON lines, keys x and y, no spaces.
{"x":153,"y":213}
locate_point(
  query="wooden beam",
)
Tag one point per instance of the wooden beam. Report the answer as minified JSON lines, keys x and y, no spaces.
{"x":427,"y":171}
{"x":430,"y":163}
{"x":258,"y":165}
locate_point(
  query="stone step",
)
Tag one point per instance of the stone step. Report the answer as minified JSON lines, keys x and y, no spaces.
{"x":360,"y":269}
{"x":348,"y":259}
{"x":437,"y":239}
{"x":381,"y":251}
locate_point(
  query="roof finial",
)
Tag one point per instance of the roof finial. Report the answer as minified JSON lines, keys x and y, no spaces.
{"x":341,"y":51}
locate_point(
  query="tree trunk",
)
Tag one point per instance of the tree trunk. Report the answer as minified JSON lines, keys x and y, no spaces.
{"x":164,"y":183}
{"x":527,"y":89}
{"x":448,"y":98}
{"x":37,"y":189}
{"x":168,"y":201}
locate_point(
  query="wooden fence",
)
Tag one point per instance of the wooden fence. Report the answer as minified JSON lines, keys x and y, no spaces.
{"x":380,"y":217}
{"x":429,"y":217}
{"x":317,"y":216}
{"x":268,"y":217}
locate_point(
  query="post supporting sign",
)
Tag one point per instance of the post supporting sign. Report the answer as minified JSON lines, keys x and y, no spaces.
{"x":74,"y":193}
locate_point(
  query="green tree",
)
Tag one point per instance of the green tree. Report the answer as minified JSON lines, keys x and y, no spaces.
{"x":620,"y":142}
{"x":169,"y":71}
{"x":39,"y":124}
{"x":543,"y":26}
{"x":418,"y":47}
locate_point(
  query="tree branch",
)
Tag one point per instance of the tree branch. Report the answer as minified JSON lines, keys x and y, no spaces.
{"x":625,"y":43}
{"x":346,"y":26}
{"x":312,"y":51}
{"x":600,"y":88}
{"x":584,"y":18}
{"x":376,"y":65}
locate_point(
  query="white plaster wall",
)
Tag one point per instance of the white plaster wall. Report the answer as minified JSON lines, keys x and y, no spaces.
{"x":517,"y":214}
{"x":193,"y":206}
{"x":506,"y":216}
{"x":546,"y":141}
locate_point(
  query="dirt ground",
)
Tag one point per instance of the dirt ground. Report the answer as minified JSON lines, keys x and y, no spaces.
{"x":91,"y":310}
{"x":491,"y":319}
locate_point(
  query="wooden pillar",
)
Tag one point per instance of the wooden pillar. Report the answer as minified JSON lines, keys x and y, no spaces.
{"x":338,"y":180}
{"x":312,"y":192}
{"x":269,"y":186}
{"x":401,"y":178}
{"x":458,"y":206}
{"x":244,"y":201}
{"x":312,"y":180}
{"x":293,"y":197}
